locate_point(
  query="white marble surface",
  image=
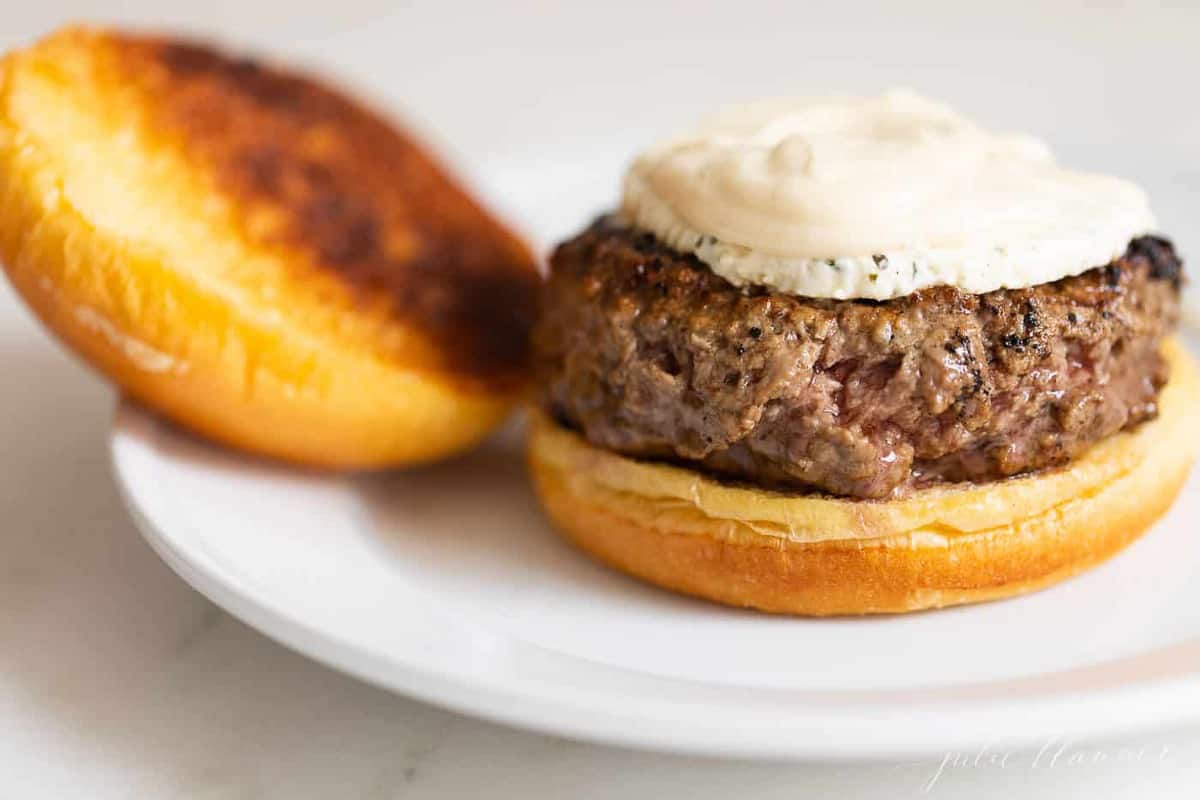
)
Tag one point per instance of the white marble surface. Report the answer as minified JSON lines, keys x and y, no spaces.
{"x":117,"y":681}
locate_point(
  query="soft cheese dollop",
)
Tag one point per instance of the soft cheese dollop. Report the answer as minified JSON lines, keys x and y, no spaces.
{"x":876,"y":198}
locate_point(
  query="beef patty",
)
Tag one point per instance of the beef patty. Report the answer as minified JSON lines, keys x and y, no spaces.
{"x":647,"y":352}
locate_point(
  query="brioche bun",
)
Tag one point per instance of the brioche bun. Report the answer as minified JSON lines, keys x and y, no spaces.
{"x":254,"y":255}
{"x":818,"y":555}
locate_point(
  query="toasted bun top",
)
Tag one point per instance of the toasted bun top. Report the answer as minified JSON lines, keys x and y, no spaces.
{"x":353,"y":222}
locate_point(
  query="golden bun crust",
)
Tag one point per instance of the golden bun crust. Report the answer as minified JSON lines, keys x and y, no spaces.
{"x":815,"y":555}
{"x":254,"y":255}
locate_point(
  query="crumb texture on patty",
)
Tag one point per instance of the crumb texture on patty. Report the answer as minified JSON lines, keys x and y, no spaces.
{"x":648,"y":353}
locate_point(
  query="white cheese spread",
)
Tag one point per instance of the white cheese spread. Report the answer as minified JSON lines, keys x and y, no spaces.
{"x":876,"y":198}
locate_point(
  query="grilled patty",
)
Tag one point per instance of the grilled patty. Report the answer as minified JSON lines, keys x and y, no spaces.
{"x":647,"y":352}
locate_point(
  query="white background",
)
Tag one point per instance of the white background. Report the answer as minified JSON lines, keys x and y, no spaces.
{"x":117,"y":681}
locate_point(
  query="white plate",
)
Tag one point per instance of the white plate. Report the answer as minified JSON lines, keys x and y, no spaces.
{"x":446,"y":584}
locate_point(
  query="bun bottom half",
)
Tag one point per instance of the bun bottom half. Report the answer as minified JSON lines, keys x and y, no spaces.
{"x":816,"y":555}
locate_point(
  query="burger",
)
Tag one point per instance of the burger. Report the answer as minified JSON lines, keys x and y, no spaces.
{"x":857,"y":356}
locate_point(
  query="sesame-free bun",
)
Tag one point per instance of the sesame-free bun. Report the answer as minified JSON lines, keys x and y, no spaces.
{"x":818,"y":555}
{"x":254,"y":255}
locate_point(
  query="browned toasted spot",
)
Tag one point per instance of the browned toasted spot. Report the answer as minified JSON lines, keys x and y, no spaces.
{"x":330,"y":180}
